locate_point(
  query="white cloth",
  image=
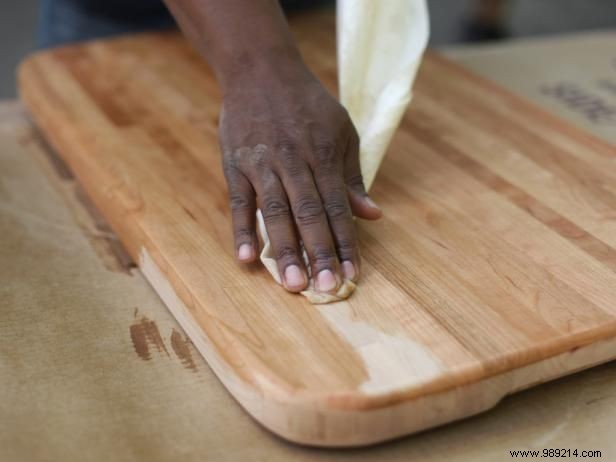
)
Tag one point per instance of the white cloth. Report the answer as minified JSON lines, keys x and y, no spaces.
{"x":380,"y":44}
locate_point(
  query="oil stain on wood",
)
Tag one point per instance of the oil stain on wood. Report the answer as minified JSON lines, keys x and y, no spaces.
{"x":102,"y":238}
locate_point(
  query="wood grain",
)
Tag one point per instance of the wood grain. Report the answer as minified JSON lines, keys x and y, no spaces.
{"x":492,"y":270}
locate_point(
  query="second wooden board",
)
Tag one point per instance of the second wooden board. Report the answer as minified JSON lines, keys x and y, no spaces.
{"x":493,"y":269}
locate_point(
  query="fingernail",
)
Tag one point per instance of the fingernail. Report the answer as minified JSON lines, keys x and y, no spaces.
{"x":294,"y":277}
{"x":348,"y":270}
{"x":326,"y":281}
{"x":245,"y":252}
{"x":371,"y":203}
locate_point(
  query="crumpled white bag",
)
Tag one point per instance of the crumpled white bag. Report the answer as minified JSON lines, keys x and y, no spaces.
{"x":380,"y":44}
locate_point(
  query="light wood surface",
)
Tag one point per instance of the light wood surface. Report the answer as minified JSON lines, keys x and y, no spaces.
{"x":493,"y":269}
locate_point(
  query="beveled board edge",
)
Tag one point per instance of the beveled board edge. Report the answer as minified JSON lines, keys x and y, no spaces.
{"x":307,"y":423}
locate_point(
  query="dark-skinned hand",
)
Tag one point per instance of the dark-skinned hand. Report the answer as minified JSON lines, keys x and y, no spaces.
{"x":290,"y":149}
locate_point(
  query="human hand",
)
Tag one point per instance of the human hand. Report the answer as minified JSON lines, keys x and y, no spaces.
{"x":291,"y":149}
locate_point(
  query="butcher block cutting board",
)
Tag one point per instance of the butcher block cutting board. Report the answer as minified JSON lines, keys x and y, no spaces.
{"x":493,"y":269}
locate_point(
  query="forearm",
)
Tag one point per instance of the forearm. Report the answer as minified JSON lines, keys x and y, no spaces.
{"x":237,"y":37}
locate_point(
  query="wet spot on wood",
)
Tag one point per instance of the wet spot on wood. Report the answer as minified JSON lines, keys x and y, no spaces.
{"x":146,"y":338}
{"x":56,"y":162}
{"x":103,"y":239}
{"x":100,"y":235}
{"x":182,"y":347}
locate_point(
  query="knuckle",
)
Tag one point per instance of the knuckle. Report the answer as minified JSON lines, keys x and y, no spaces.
{"x":337,"y":208}
{"x":259,"y":155}
{"x":308,"y":210}
{"x":346,"y":247}
{"x":287,"y":144}
{"x":288,"y":155}
{"x":243,"y":235}
{"x":253,"y":160}
{"x":355,"y":180}
{"x":239,"y":203}
{"x":245,"y":161}
{"x":325,"y":153}
{"x":322,"y":255}
{"x":274,"y":208}
{"x":285,"y":252}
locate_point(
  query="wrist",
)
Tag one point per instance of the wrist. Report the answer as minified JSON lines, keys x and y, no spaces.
{"x":253,"y":67}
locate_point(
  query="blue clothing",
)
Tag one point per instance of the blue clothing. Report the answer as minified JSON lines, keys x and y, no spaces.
{"x":65,"y":21}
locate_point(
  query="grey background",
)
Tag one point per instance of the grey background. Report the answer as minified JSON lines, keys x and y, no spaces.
{"x":18,"y":20}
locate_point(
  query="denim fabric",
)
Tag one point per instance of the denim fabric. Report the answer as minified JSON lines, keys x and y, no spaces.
{"x":64,"y":21}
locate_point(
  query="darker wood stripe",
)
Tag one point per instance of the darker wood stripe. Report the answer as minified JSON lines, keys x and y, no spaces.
{"x":544,"y":214}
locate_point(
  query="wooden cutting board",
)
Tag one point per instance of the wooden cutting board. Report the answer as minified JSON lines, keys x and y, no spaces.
{"x":494,"y":268}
